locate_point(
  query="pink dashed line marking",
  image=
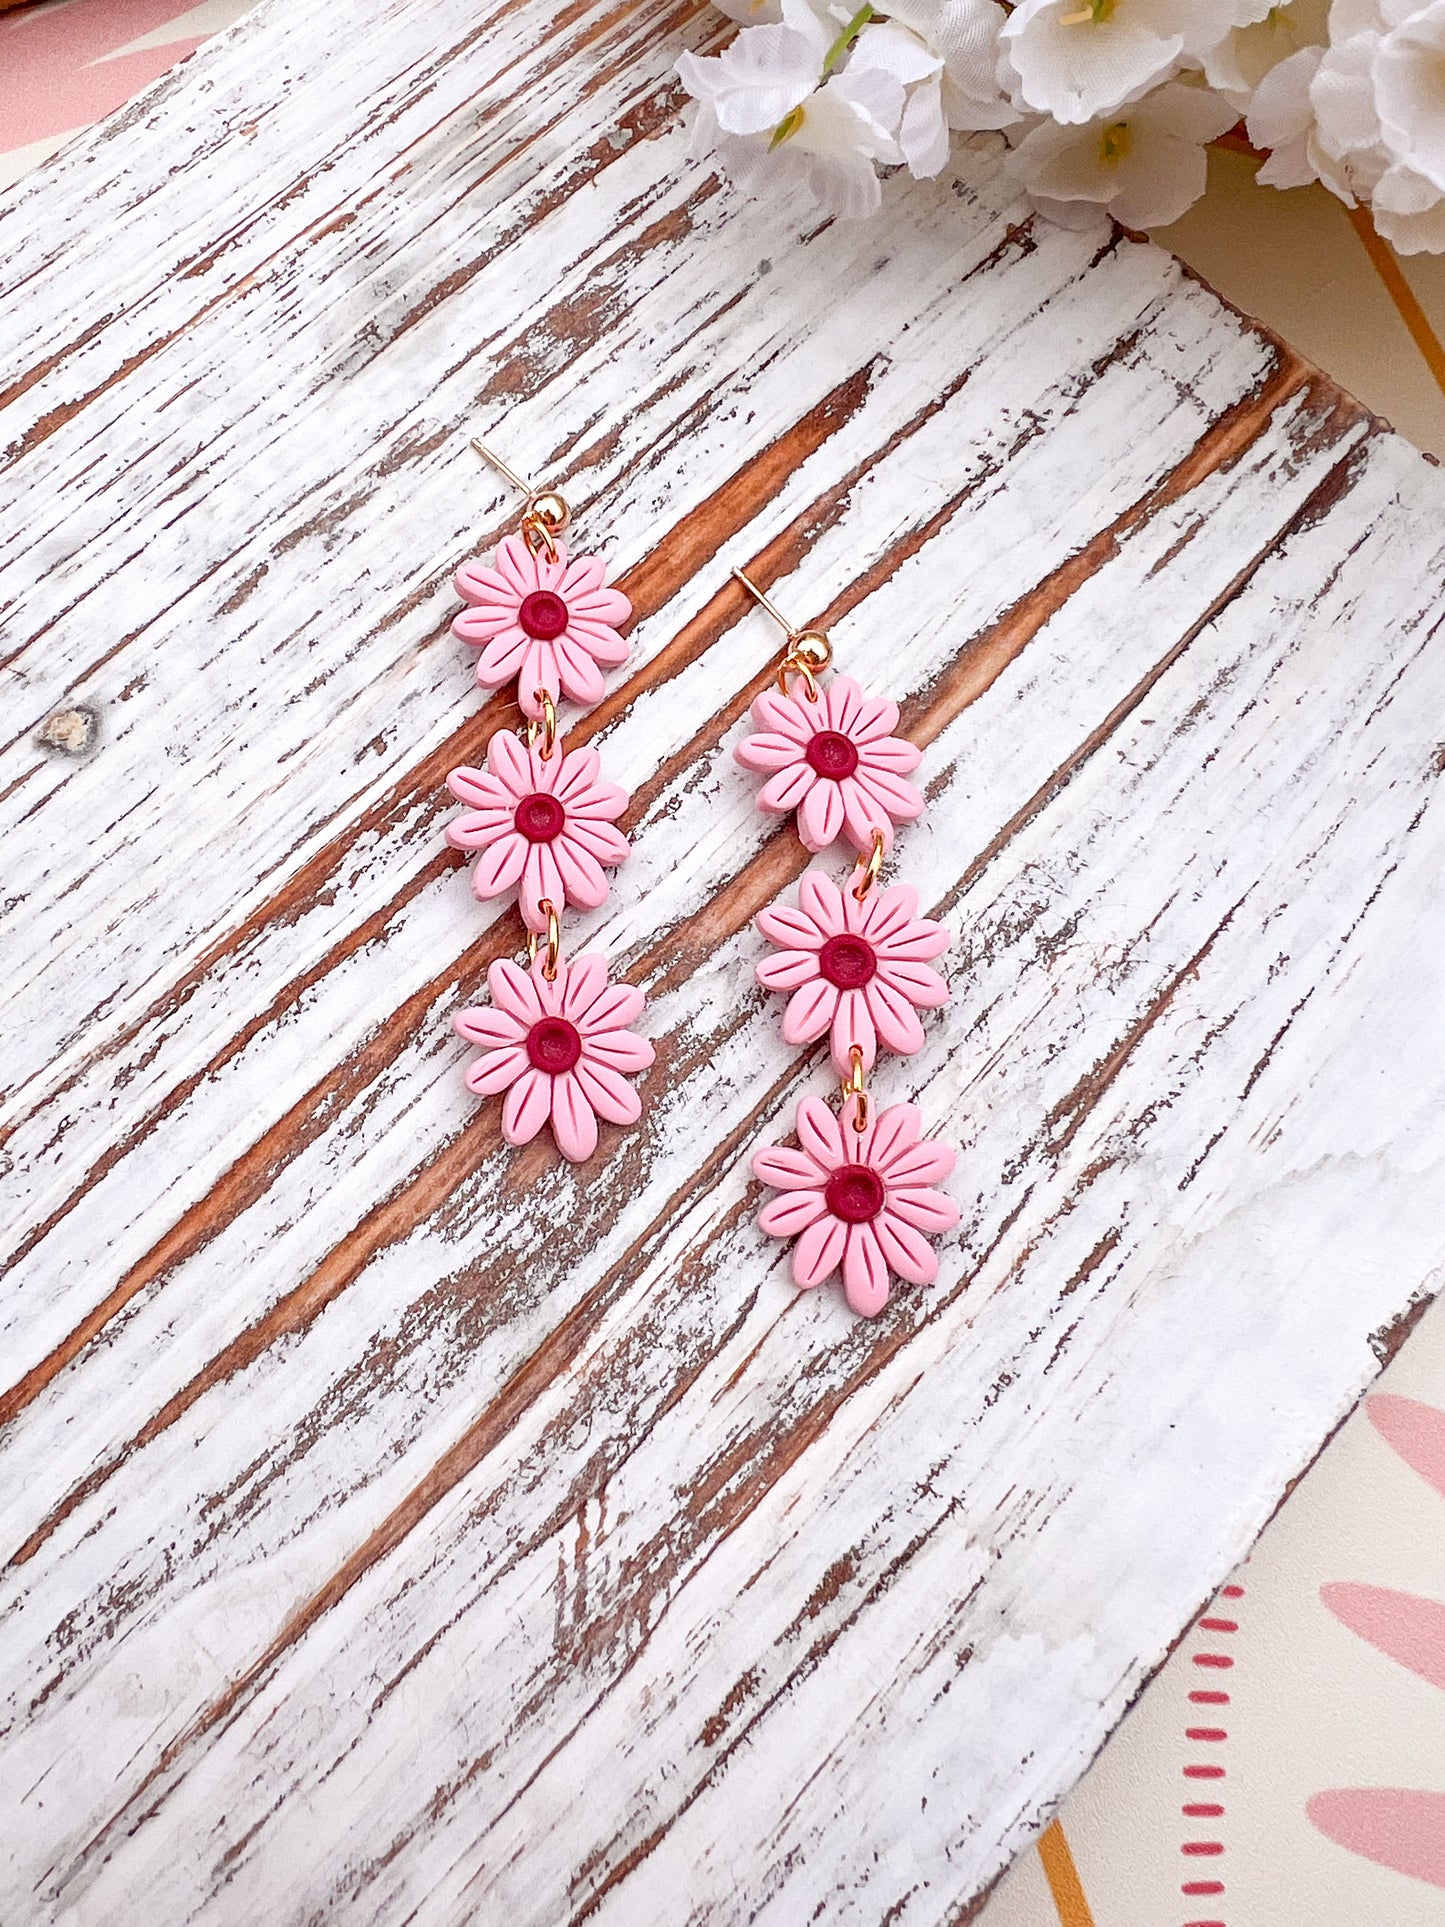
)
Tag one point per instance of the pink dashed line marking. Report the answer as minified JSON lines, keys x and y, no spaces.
{"x":1211,"y":1623}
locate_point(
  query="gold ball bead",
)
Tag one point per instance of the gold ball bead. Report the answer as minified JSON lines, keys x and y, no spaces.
{"x":813,"y":648}
{"x":550,"y":510}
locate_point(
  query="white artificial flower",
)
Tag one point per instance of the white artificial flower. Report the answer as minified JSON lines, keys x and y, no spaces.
{"x":922,"y":130}
{"x":1236,"y":65}
{"x":1346,"y":145}
{"x":978,"y":80}
{"x":1080,"y":59}
{"x":762,"y":75}
{"x":1409,"y":211}
{"x":829,"y":145}
{"x":1282,"y":120}
{"x":1144,"y":163}
{"x":1409,"y":77}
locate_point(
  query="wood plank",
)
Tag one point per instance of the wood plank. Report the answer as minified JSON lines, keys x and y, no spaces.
{"x":412,"y":1529}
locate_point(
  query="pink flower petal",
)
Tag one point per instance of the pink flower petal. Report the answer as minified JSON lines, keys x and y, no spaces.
{"x":931,"y":1211}
{"x":590,"y":630}
{"x":539,"y":883}
{"x":492,"y":1029}
{"x":820,"y":814}
{"x":526,"y":1110}
{"x":894,"y":754}
{"x":514,"y":991}
{"x":895,"y":1018}
{"x":820,"y":1133}
{"x":766,"y":752}
{"x":602,"y":841}
{"x":791,"y":1212}
{"x":580,"y":677}
{"x":582,"y":982}
{"x":537,"y":673}
{"x":574,"y":1123}
{"x":483,"y":627}
{"x":923,"y":987}
{"x":512,"y":764}
{"x":810,"y":1012}
{"x":616,"y":1007}
{"x":876,"y":719}
{"x":500,"y":659}
{"x":582,"y":877}
{"x":608,"y":1092}
{"x":818,"y":1252}
{"x":783,"y":716}
{"x":842,"y":705}
{"x":820,"y":899}
{"x":901,"y":800}
{"x":911,"y":1256}
{"x":496,"y":1070}
{"x":606,"y":607}
{"x":888,"y":913}
{"x":789,"y":929}
{"x":484,"y":587}
{"x":915,"y":942}
{"x":862,"y":816}
{"x":786,"y":790}
{"x":786,"y":1169}
{"x":583,"y":573}
{"x":854,"y":1025}
{"x":787,"y":969}
{"x":520,"y":568}
{"x":1398,"y":1827}
{"x":921,"y":1162}
{"x":475,"y":787}
{"x":576,"y":774}
{"x":604,"y":802}
{"x":893,"y":1131}
{"x":499,"y":867}
{"x":478,"y":828}
{"x":865,"y":1274}
{"x":618,"y":1050}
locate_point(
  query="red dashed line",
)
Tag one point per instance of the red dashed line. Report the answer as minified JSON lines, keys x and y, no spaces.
{"x":1209,"y":1624}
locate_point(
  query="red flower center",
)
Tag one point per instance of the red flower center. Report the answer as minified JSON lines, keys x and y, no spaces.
{"x":832,"y":755}
{"x":539,"y":818}
{"x":543,"y":615}
{"x":848,"y":962}
{"x":553,"y":1045}
{"x":854,"y":1193}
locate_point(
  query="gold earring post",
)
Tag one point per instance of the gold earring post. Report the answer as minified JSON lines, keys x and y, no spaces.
{"x":772,"y":608}
{"x":503,"y":468}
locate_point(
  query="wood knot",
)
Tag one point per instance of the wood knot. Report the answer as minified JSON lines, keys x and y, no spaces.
{"x":72,"y":730}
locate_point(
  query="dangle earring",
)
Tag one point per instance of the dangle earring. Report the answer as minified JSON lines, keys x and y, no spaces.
{"x":858,"y":1193}
{"x":542,"y":818}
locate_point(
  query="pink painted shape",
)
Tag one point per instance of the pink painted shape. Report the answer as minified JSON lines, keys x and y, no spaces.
{"x":53,"y":72}
{"x":1398,"y":1827}
{"x":1413,"y":1430}
{"x":1402,"y":1625}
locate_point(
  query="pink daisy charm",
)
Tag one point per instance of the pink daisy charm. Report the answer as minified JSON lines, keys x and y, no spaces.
{"x":545,"y":823}
{"x":859,"y":1199}
{"x":859,"y":969}
{"x":836,"y":761}
{"x":547,"y":621}
{"x":562,"y":1051}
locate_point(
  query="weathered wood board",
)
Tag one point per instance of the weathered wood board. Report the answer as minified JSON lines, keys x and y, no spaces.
{"x":400,"y":1529}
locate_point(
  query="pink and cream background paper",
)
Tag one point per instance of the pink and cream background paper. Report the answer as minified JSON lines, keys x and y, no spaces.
{"x":1323,"y":1661}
